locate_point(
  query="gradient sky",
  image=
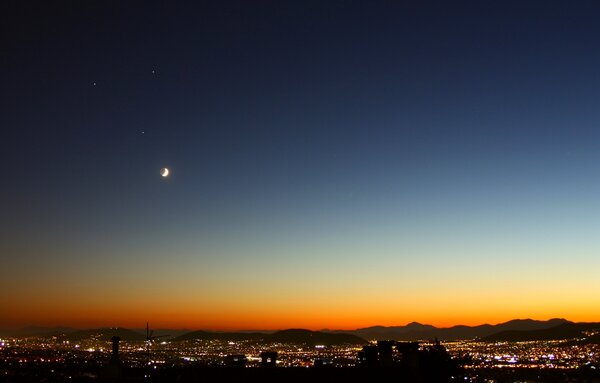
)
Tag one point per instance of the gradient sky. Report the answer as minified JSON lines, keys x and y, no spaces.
{"x":334,"y":164}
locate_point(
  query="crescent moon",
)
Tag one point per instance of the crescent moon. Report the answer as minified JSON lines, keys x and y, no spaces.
{"x":164,"y":172}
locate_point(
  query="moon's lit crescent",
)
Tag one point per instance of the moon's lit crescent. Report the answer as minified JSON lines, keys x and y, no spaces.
{"x":164,"y":172}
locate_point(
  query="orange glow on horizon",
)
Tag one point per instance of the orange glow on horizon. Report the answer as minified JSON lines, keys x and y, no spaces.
{"x":229,"y":319}
{"x":248,"y":302}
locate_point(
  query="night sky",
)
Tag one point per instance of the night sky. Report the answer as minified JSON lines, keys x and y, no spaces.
{"x":334,"y":164}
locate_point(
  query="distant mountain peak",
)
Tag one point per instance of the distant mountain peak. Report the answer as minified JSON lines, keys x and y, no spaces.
{"x":564,"y":330}
{"x":418,"y":331}
{"x":418,"y":324}
{"x":561,"y":320}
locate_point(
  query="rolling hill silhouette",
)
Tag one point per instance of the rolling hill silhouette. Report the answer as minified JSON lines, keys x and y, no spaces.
{"x":226,"y":336}
{"x":105,"y":334}
{"x":37,"y":331}
{"x":314,"y":337}
{"x":298,"y":336}
{"x":593,"y":339}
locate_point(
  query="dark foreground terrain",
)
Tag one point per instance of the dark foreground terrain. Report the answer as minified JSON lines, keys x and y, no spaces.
{"x":358,"y":374}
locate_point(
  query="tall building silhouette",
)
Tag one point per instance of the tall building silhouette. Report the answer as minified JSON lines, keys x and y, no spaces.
{"x":268,"y":358}
{"x":236,"y":360}
{"x":368,"y":356}
{"x":114,"y":367}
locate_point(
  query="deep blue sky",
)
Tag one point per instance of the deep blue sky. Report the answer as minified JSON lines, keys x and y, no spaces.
{"x":412,"y":134}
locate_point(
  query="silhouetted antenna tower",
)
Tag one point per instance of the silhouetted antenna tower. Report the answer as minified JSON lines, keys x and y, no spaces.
{"x":150,"y":338}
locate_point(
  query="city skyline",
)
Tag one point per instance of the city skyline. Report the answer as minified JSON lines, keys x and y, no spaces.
{"x":330,"y":164}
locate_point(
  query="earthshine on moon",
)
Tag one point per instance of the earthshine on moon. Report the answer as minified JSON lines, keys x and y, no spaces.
{"x":164,"y":172}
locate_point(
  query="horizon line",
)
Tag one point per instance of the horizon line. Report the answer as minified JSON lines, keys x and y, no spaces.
{"x":281,"y":329}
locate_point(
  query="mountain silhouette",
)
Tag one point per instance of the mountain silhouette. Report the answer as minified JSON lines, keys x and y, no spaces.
{"x":417,"y":331}
{"x":568,"y":330}
{"x":411,"y":332}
